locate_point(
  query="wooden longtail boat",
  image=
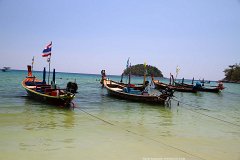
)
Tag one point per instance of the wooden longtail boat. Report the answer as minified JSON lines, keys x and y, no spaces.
{"x":215,"y":89}
{"x":204,"y":89}
{"x":43,"y":92}
{"x":135,"y":86}
{"x":133,"y":94}
{"x":161,"y":85}
{"x":183,"y":84}
{"x":201,"y":88}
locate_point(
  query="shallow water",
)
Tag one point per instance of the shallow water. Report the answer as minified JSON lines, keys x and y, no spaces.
{"x":202,"y":126}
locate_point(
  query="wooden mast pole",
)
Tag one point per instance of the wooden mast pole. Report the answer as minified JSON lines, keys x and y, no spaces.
{"x":49,"y":66}
{"x":144,"y":74}
{"x":49,"y":63}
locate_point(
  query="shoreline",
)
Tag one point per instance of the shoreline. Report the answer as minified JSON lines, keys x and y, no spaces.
{"x":236,"y":82}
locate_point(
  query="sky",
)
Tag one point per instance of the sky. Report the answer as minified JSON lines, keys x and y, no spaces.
{"x":202,"y":37}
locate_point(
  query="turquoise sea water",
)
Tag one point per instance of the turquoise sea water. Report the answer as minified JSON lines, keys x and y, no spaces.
{"x":202,"y":126}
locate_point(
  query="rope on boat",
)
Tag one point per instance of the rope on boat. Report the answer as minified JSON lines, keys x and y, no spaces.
{"x":141,"y":135}
{"x":197,"y":106}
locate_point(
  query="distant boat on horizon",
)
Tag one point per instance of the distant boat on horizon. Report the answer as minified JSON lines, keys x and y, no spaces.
{"x":5,"y":69}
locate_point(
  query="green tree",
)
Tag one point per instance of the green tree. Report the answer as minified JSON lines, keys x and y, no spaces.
{"x":232,"y":73}
{"x":138,"y":70}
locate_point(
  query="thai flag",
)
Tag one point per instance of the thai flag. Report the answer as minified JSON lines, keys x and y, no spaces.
{"x":47,"y":50}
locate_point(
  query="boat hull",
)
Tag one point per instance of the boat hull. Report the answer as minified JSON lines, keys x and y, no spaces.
{"x":60,"y":101}
{"x":213,"y":90}
{"x":146,"y":99}
{"x":160,"y":85}
{"x":132,"y":97}
{"x":202,"y":89}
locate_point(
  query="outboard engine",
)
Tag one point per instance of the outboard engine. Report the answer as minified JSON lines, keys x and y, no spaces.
{"x":166,"y":94}
{"x":167,"y":91}
{"x":72,"y":87}
{"x":220,"y":86}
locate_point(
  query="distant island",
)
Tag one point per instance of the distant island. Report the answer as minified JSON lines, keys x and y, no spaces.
{"x":138,"y":70}
{"x":232,"y":73}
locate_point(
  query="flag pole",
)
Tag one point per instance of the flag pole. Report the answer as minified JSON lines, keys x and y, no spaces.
{"x":177,"y":70}
{"x":32,"y":62}
{"x":127,"y":66}
{"x":144,"y":74}
{"x":47,"y":53}
{"x":49,"y":66}
{"x":129,"y":76}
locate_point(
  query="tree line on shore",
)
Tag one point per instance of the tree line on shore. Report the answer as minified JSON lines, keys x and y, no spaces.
{"x":232,"y":73}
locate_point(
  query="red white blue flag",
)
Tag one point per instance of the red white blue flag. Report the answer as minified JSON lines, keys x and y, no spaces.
{"x":47,"y":51}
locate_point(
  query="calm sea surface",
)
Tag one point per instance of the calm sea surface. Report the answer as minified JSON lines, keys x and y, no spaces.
{"x":202,"y":126}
